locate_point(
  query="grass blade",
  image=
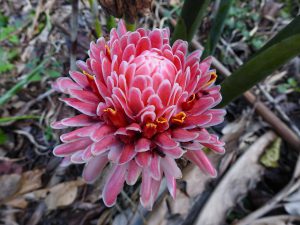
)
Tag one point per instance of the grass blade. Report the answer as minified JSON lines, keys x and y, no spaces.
{"x":217,"y":27}
{"x":17,"y":87}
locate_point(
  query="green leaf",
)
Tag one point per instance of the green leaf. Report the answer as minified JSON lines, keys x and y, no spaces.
{"x":272,"y":154}
{"x":3,"y":20}
{"x":5,"y":67}
{"x":217,"y":27}
{"x":180,"y":31}
{"x":130,"y":26}
{"x":13,"y":118}
{"x":48,"y":133}
{"x":3,"y":137}
{"x":291,"y":29}
{"x":190,"y":19}
{"x":111,"y":23}
{"x":17,"y":87}
{"x":52,"y":73}
{"x":283,"y":47}
{"x":97,"y":23}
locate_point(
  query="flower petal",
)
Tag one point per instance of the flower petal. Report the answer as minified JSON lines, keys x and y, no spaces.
{"x":183,"y":135}
{"x":94,"y":168}
{"x":142,"y":145}
{"x":127,"y":154}
{"x":133,"y":173}
{"x":169,"y":166}
{"x":83,"y":107}
{"x":114,"y":184}
{"x":201,"y":160}
{"x":165,"y":141}
{"x":103,"y":145}
{"x":69,"y":148}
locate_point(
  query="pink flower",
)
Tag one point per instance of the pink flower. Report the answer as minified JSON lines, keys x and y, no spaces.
{"x":143,"y":104}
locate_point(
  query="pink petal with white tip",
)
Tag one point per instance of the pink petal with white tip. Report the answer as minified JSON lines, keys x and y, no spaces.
{"x":156,"y":39}
{"x":114,"y":184}
{"x":197,"y":121}
{"x":165,"y":141}
{"x":103,"y":145}
{"x":171,"y":184}
{"x":78,"y":121}
{"x":155,"y":168}
{"x":102,"y":132}
{"x":169,"y":166}
{"x":201,"y":160}
{"x":84,"y":96}
{"x":183,"y":135}
{"x":127,"y":154}
{"x":217,"y":117}
{"x":133,"y":172}
{"x":174,"y":153}
{"x":83,"y":107}
{"x":201,"y":106}
{"x":143,"y":159}
{"x":142,"y":145}
{"x":94,"y":168}
{"x":79,"y":78}
{"x":69,"y":148}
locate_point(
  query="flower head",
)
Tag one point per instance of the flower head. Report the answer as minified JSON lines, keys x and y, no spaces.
{"x":143,"y":104}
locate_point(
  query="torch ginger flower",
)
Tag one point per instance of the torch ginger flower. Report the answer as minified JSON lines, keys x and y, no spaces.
{"x":143,"y":104}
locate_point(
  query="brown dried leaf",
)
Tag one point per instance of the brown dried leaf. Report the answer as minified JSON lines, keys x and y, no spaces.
{"x":18,"y":203}
{"x":10,"y":184}
{"x":62,"y":194}
{"x":31,"y":180}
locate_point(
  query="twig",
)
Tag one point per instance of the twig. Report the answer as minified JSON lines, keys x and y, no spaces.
{"x":74,"y":32}
{"x":28,"y":105}
{"x":286,"y":219}
{"x":289,"y":189}
{"x":282,"y":114}
{"x":31,"y":139}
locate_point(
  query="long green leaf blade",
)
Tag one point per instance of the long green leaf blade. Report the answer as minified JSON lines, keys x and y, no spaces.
{"x":24,"y":117}
{"x":217,"y":27}
{"x":291,"y":29}
{"x":260,"y":66}
{"x":190,"y":19}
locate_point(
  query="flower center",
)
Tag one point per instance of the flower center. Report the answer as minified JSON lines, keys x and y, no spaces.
{"x":153,"y":63}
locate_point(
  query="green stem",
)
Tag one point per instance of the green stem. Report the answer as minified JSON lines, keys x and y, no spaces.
{"x":111,"y":23}
{"x":97,"y":24}
{"x":217,"y":27}
{"x":130,"y":26}
{"x":13,"y":118}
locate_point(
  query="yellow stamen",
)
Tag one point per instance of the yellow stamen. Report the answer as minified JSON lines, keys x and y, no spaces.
{"x":88,"y":75}
{"x":151,"y":125}
{"x":161,"y":120}
{"x":117,"y":118}
{"x":179,"y":118}
{"x":110,"y":110}
{"x":213,"y":77}
{"x":189,"y":103}
{"x":107,"y":50}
